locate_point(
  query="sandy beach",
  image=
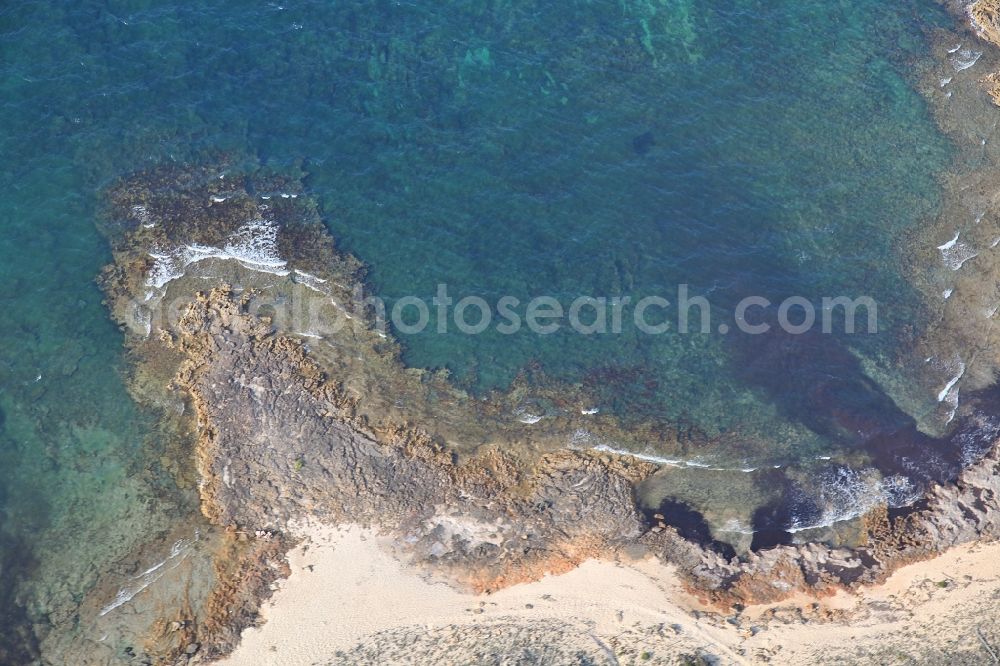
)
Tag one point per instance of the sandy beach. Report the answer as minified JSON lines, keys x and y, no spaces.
{"x":349,"y":600}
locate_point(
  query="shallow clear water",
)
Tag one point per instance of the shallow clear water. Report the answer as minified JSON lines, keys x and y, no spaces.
{"x":517,"y":148}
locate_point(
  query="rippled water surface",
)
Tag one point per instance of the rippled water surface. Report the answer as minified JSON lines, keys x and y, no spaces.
{"x":514,"y":147}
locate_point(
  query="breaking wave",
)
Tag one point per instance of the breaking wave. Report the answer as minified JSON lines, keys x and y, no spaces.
{"x":141,"y":581}
{"x":254,"y":245}
{"x":842,"y":493}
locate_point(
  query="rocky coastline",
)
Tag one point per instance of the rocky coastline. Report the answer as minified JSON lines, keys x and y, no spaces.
{"x":330,"y":426}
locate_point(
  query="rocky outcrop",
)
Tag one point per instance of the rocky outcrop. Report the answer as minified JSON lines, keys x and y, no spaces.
{"x":991,"y":84}
{"x":277,"y":443}
{"x":288,"y":430}
{"x":985,"y":18}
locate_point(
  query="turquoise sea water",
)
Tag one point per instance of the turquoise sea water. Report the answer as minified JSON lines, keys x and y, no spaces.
{"x":509,"y":147}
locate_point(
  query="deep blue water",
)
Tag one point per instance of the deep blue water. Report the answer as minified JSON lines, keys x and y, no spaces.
{"x":506,"y":147}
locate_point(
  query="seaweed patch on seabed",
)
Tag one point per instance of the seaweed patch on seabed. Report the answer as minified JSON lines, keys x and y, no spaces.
{"x":296,"y":419}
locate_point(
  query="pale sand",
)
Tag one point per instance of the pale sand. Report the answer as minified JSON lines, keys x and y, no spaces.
{"x":347,"y":589}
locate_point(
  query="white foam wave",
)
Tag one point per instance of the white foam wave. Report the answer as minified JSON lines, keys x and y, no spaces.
{"x":955,"y":254}
{"x":843,"y":493}
{"x":670,"y":462}
{"x":977,"y":441}
{"x":254,"y":245}
{"x":965,"y":58}
{"x":949,"y":395}
{"x":899,"y":491}
{"x":946,"y":391}
{"x":311,"y":281}
{"x":178,"y":552}
{"x":950,"y":244}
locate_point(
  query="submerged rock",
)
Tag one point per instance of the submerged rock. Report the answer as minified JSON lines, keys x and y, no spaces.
{"x":643,"y":143}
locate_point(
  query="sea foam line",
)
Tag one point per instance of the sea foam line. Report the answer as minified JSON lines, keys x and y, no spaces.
{"x":671,"y":462}
{"x":254,"y":245}
{"x":178,"y":552}
{"x":954,"y":380}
